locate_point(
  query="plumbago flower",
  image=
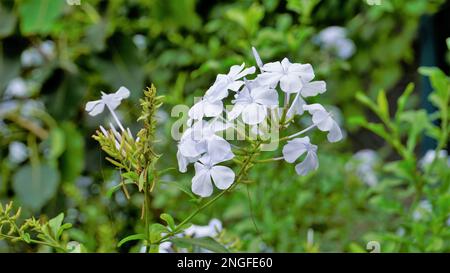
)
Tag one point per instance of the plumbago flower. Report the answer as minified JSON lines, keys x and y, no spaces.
{"x":256,"y":105}
{"x":211,"y":104}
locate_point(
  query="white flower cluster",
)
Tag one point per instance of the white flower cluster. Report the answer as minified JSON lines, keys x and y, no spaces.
{"x":255,"y":101}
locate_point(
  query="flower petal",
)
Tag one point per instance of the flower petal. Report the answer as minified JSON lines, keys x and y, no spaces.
{"x":219,"y":150}
{"x":236,"y":111}
{"x":188,"y":148}
{"x":335,"y":133}
{"x":295,"y":148}
{"x":290,"y":83}
{"x":222,"y":176}
{"x":257,"y":58}
{"x":235,"y":69}
{"x":201,"y":182}
{"x":234,"y":86}
{"x":213,"y":109}
{"x":310,"y":163}
{"x":273,"y":67}
{"x":182,"y":162}
{"x":311,"y":108}
{"x":269,"y":78}
{"x":97,"y":109}
{"x":265,"y":96}
{"x":254,"y":113}
{"x":313,"y":88}
{"x":296,"y":107}
{"x":245,"y":72}
{"x":305,"y":71}
{"x":197,"y":110}
{"x":122,"y":93}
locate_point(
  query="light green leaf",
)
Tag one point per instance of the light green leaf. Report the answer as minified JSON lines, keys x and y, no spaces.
{"x":142,"y":179}
{"x":168,"y":219}
{"x":155,"y":232}
{"x":39,"y":16}
{"x":57,"y":143}
{"x":35,"y":186}
{"x":401,"y":102}
{"x":133,"y":237}
{"x":55,"y":224}
{"x":383,"y":105}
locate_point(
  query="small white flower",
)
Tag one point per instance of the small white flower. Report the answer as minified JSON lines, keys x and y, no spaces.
{"x":430,"y":156}
{"x":206,"y":170}
{"x":291,"y":76}
{"x":16,"y":88}
{"x":363,"y":163}
{"x":211,"y":104}
{"x":111,"y":101}
{"x":296,"y":148}
{"x":47,"y":48}
{"x":18,"y":152}
{"x":335,"y":39}
{"x":322,"y":119}
{"x":233,"y":80}
{"x":31,"y":57}
{"x":423,"y":209}
{"x":253,"y":103}
{"x":213,"y":229}
{"x":201,"y":139}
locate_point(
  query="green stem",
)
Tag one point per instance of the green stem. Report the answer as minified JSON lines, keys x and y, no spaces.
{"x":147,"y":214}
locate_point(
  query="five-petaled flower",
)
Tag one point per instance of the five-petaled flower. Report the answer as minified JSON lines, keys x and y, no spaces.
{"x":206,"y":169}
{"x":291,"y":76}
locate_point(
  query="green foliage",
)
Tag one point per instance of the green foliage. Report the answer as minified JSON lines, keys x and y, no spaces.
{"x":179,"y":46}
{"x":33,"y":231}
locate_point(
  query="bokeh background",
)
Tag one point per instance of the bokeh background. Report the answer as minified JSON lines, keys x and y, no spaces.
{"x":56,"y":55}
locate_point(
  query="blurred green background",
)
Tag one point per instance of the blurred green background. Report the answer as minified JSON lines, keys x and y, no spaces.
{"x":56,"y":55}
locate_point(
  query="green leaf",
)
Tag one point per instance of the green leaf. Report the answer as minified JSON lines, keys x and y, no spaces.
{"x":26,"y":237}
{"x":35,"y":186}
{"x":168,"y":219}
{"x":39,"y":16}
{"x":205,"y":242}
{"x":62,"y":228}
{"x":378,"y":129}
{"x":155,"y":232}
{"x":133,"y":237}
{"x":55,"y":224}
{"x":366,"y":101}
{"x":130,"y":175}
{"x":57,"y":143}
{"x":401,"y":102}
{"x":383,"y":105}
{"x":142,"y":179}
